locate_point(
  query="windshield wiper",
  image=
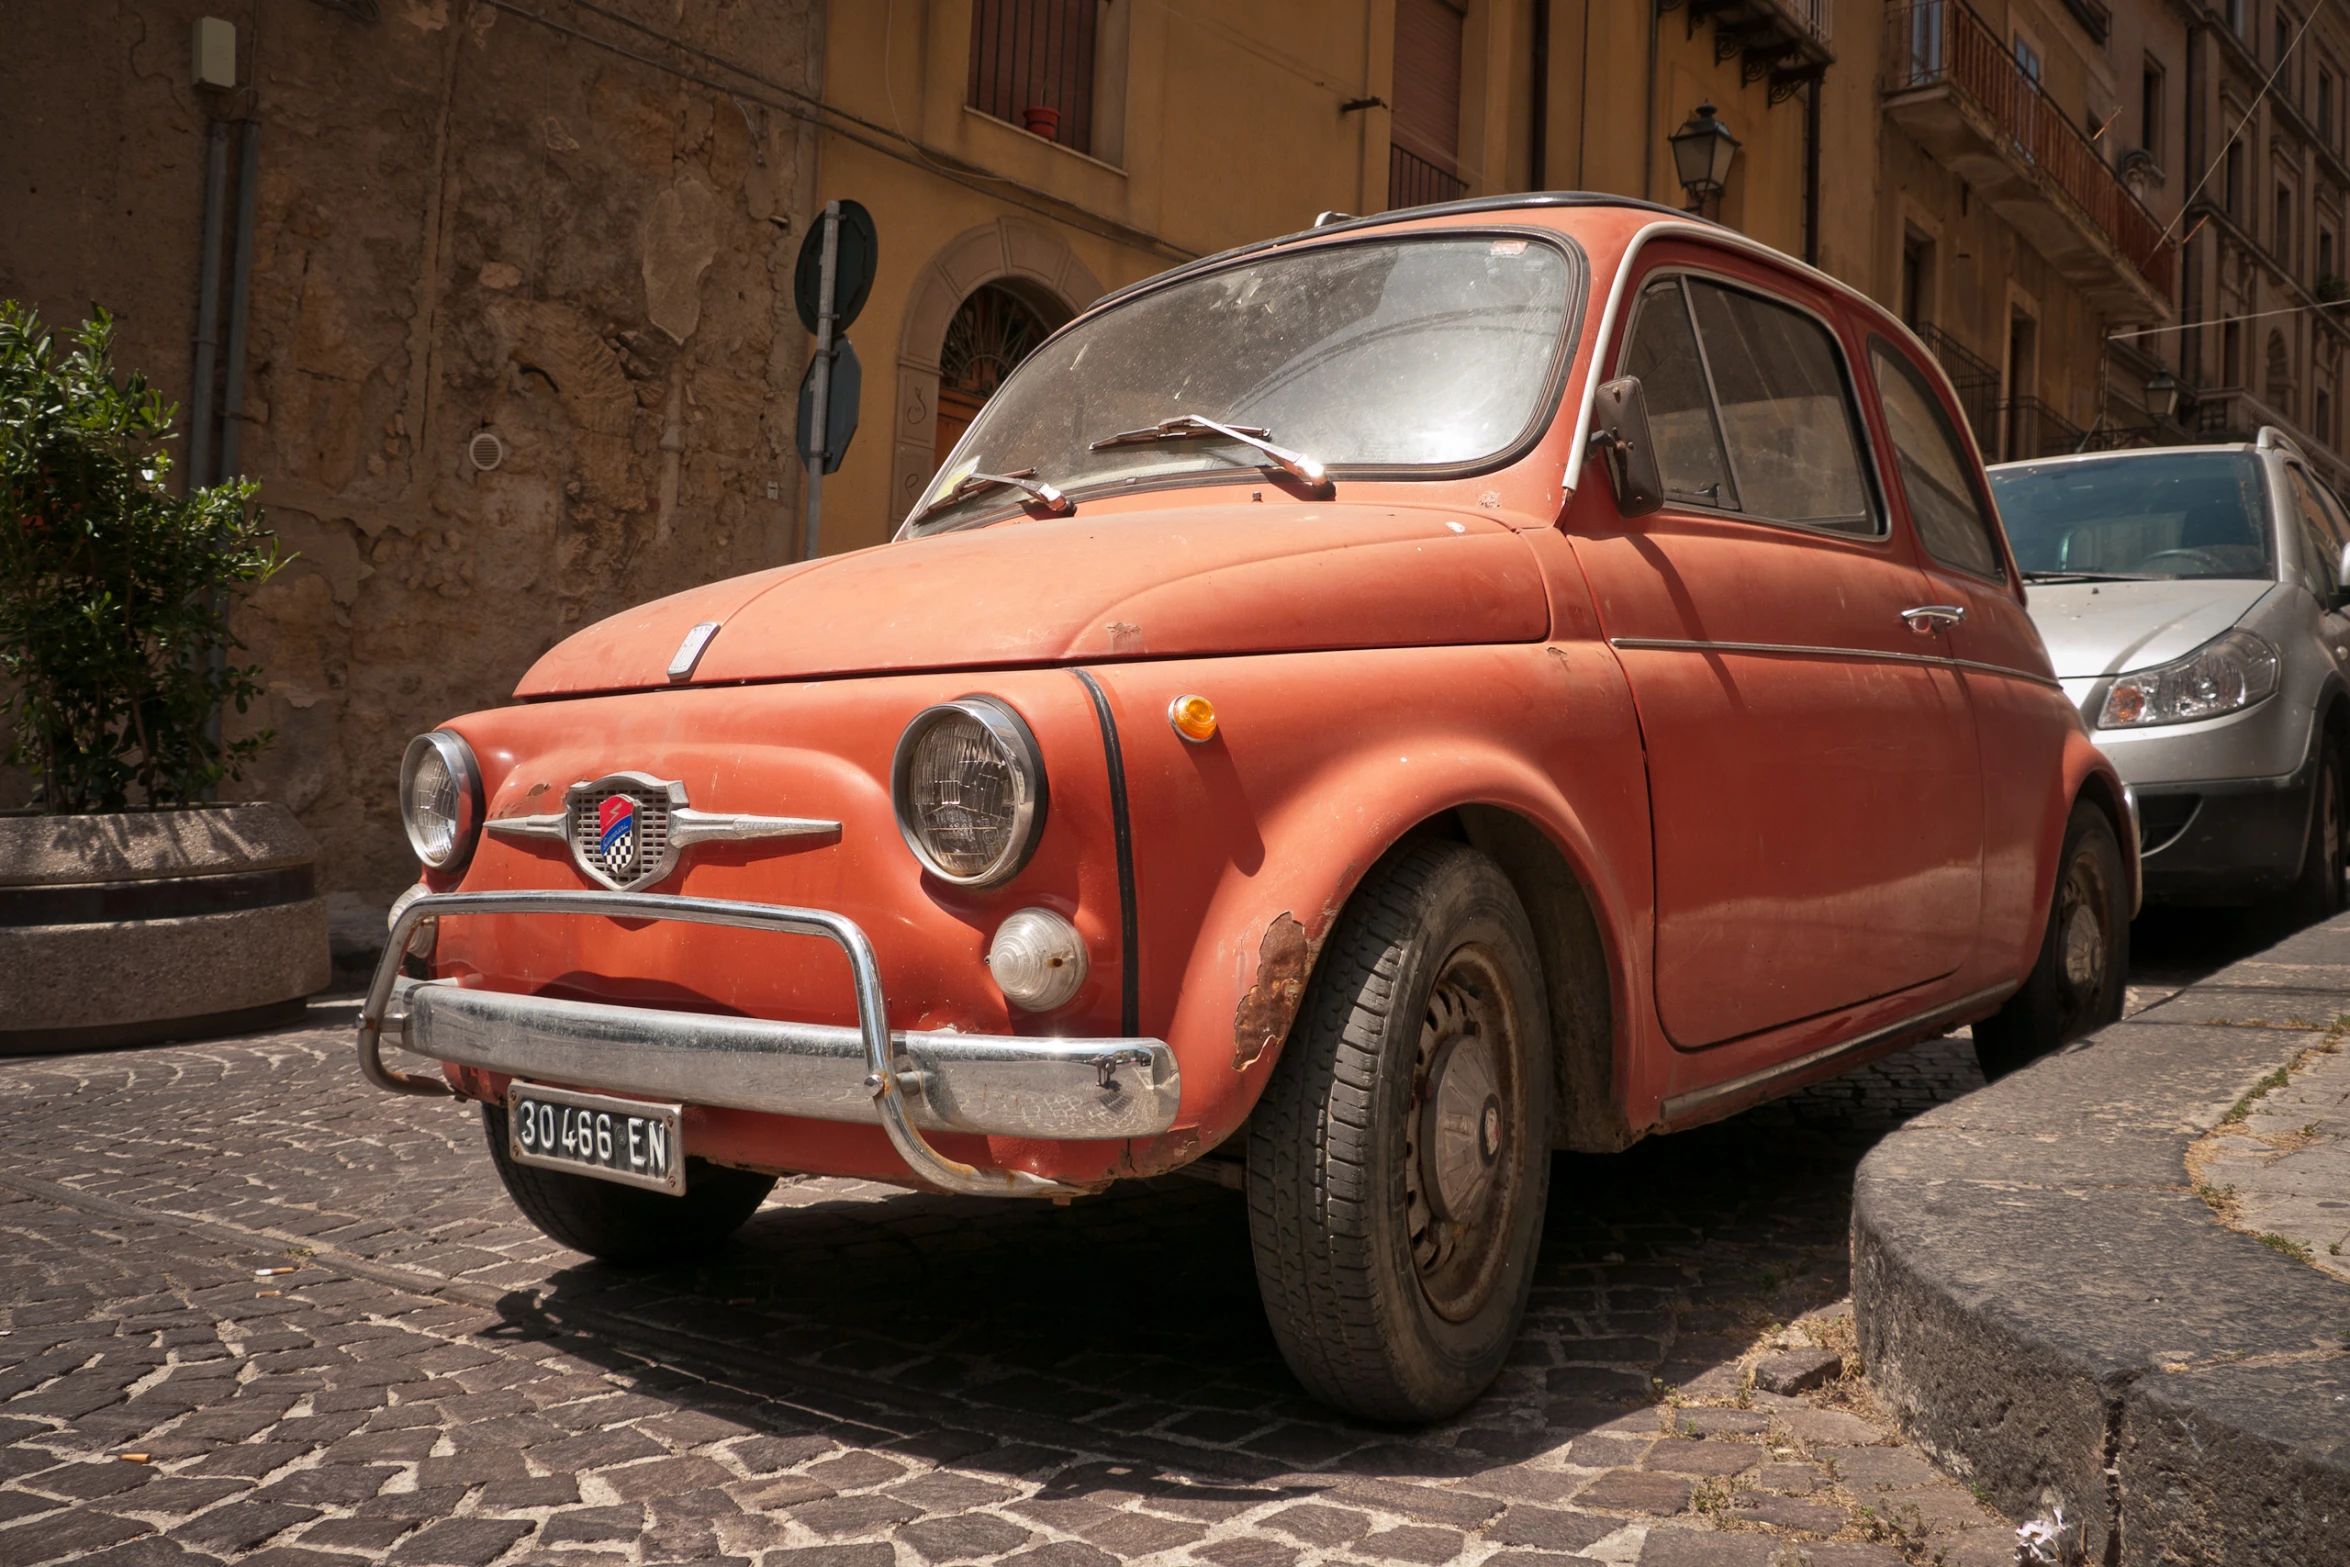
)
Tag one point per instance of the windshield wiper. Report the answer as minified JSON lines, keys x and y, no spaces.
{"x":1191,"y":427}
{"x":1055,"y":504}
{"x":2091,"y":576}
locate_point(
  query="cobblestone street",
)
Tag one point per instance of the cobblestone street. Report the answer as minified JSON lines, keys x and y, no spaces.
{"x":255,"y":1311}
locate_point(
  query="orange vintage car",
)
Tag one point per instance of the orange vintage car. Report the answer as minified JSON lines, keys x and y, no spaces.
{"x":1352,"y":715}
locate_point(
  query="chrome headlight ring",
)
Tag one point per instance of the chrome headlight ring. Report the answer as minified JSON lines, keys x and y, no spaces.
{"x":444,"y":831}
{"x":1014,"y":821}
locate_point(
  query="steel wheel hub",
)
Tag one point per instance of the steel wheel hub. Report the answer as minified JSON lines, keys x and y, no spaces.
{"x":2084,"y":949}
{"x":1460,"y":1186}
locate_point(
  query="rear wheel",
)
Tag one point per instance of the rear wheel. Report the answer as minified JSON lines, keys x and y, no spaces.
{"x":627,"y":1224}
{"x":1400,"y":1157}
{"x":2318,"y":893}
{"x":2077,"y":986}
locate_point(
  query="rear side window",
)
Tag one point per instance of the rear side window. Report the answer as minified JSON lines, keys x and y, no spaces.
{"x":1933,"y":462}
{"x":1749,"y":406}
{"x":2321,"y":550}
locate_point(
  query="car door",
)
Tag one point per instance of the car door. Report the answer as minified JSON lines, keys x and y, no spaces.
{"x":1814,"y":785}
{"x":1989,"y":640}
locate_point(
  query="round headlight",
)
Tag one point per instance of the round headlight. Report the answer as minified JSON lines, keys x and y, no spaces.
{"x":970,"y":792}
{"x":1038,"y":960}
{"x":440,"y":799}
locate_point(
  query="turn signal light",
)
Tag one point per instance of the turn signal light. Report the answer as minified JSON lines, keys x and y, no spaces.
{"x":1194,"y":718}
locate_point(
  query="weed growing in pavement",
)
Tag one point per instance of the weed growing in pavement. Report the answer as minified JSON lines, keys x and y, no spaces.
{"x":2279,"y":1243}
{"x":2220,"y":1199}
{"x":2260,"y":1090}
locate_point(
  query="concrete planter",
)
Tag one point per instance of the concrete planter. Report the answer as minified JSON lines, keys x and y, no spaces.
{"x":155,"y":925}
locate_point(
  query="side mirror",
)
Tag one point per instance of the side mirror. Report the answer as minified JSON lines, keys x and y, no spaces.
{"x":1619,"y":433}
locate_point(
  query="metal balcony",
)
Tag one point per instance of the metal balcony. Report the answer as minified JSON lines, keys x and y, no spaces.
{"x":1783,"y":42}
{"x":1958,"y":92}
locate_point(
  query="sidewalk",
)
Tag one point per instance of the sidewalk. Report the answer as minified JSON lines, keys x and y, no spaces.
{"x":2056,"y":1312}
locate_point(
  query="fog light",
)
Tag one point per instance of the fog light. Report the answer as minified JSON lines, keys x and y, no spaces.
{"x":1194,"y":718}
{"x":1038,"y":960}
{"x":428,"y":930}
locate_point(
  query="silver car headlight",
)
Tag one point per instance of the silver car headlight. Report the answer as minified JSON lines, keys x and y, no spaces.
{"x":2231,"y":671}
{"x":440,"y":799}
{"x":969,"y":789}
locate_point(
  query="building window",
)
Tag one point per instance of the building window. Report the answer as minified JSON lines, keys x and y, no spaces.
{"x":2325,"y":107}
{"x":1917,"y":280}
{"x":2284,"y":227}
{"x":1032,"y":64}
{"x":2150,"y":111}
{"x":2278,"y":385}
{"x":2325,"y":416}
{"x":991,"y":331}
{"x":2027,"y":56}
{"x":2231,"y":354}
{"x":2238,"y":22}
{"x":1424,"y":155}
{"x":2232,"y":180}
{"x":2325,"y":261}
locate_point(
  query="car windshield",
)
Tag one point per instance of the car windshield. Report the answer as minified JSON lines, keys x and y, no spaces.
{"x":2172,"y":514}
{"x":1425,"y":352}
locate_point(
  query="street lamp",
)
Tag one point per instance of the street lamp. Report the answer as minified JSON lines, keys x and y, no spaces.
{"x":1702,"y":150}
{"x":2162,"y":395}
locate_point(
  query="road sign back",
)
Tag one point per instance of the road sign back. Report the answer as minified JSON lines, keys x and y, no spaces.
{"x":853,"y":265}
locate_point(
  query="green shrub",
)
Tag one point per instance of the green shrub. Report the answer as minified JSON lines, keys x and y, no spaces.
{"x":114,"y":593}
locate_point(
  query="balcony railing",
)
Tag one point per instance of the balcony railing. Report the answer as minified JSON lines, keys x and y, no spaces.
{"x":1415,"y":182}
{"x":1931,"y":43}
{"x":2036,"y":430}
{"x":1973,"y":378}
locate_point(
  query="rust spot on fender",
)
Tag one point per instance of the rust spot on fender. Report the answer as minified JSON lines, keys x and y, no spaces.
{"x":1262,"y":1019}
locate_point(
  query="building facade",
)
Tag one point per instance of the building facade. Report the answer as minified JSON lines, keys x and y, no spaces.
{"x":519,"y":343}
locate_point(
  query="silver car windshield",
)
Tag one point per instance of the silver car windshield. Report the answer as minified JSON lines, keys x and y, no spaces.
{"x":2163,"y":515}
{"x":1433,"y":351}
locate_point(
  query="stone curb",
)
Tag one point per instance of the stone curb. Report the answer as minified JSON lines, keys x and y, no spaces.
{"x":2050,"y":1309}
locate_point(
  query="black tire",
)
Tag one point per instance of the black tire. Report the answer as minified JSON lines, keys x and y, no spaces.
{"x":1384,"y":1304}
{"x":2317,"y":894}
{"x":2081,"y":978}
{"x":628,"y":1224}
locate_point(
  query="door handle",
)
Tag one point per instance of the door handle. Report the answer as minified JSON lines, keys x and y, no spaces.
{"x":1927,"y":619}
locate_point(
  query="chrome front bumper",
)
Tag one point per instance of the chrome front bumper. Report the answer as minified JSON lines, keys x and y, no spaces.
{"x":938,"y":1080}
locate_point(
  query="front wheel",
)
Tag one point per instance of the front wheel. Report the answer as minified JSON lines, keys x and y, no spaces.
{"x":1400,"y":1157}
{"x":2317,"y":894}
{"x":2078,"y":984}
{"x":627,"y":1224}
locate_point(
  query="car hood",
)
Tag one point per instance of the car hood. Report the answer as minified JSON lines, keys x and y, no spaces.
{"x":1105,"y":584}
{"x":2103,"y":628}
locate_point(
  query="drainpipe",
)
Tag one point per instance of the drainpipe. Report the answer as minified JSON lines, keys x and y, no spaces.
{"x":198,"y":471}
{"x":1811,"y":169}
{"x":1538,"y":161}
{"x":232,"y":404}
{"x":1656,"y":16}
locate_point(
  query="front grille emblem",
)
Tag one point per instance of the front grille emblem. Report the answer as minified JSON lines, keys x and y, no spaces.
{"x":630,"y":830}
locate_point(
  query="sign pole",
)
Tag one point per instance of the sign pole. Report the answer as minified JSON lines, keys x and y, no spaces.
{"x":823,"y":395}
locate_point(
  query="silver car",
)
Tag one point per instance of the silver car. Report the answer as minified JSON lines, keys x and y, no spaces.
{"x":2192,"y":602}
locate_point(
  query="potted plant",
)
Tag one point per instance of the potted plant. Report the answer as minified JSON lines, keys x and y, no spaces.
{"x":131,"y":909}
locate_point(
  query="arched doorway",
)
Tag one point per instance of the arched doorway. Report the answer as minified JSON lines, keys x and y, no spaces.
{"x":991,"y":331}
{"x":1030,"y":267}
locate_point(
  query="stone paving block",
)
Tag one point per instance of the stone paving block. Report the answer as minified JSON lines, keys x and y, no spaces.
{"x":1864,"y":1469}
{"x":241,"y":1526}
{"x":782,"y":1491}
{"x":948,"y":1493}
{"x":1694,"y":1548}
{"x":17,"y":1504}
{"x":1720,"y":1422}
{"x":1993,"y":1547}
{"x":1679,"y":1455}
{"x":355,"y":1534}
{"x":1824,"y":1554}
{"x":501,"y":1496}
{"x":1798,"y":1370}
{"x":1246,"y":1551}
{"x":1426,"y":1503}
{"x":964,"y":1539}
{"x":252,"y":1460}
{"x":879,"y":1554}
{"x":80,"y":1531}
{"x":436,"y":1503}
{"x":148,"y":1550}
{"x":1551,"y":1529}
{"x":1639,"y":1491}
{"x":1791,"y":1479}
{"x":1319,"y":1525}
{"x":1140,"y":1534}
{"x":1411,"y":1543}
{"x":853,"y":1471}
{"x":338,"y":1485}
{"x":854,"y":1514}
{"x":90,"y":1481}
{"x":1062,"y":1553}
{"x":460,"y":1542}
{"x":1527,"y":1485}
{"x":664,"y":1477}
{"x":1788,"y":1512}
{"x":591,"y":1524}
{"x":1827,"y":1427}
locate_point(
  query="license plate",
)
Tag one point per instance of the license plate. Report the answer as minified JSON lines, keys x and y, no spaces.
{"x":624,"y":1140}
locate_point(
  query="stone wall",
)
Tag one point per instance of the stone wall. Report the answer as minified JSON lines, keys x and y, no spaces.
{"x":467,"y":221}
